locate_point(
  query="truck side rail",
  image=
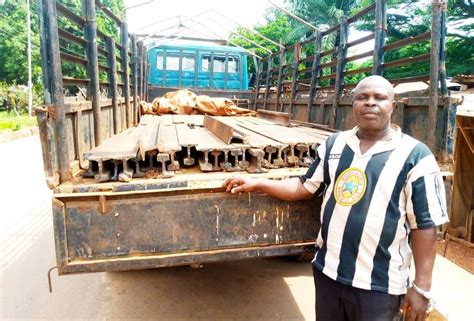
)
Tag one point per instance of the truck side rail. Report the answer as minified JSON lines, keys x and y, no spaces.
{"x":313,"y":79}
{"x":93,"y":79}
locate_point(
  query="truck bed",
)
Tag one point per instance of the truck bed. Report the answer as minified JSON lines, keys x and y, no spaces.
{"x":155,"y":218}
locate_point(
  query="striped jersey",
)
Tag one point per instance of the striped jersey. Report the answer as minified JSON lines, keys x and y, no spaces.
{"x":370,"y":204}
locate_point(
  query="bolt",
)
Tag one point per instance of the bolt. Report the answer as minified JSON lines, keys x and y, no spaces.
{"x":117,"y":214}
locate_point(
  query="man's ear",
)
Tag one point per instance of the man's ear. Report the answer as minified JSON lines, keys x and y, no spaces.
{"x":394,"y":105}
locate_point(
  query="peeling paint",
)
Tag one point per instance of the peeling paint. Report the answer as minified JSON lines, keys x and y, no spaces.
{"x":253,"y":238}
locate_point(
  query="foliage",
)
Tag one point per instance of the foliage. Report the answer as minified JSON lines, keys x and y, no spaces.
{"x":460,"y":42}
{"x":409,"y":18}
{"x":406,"y":18}
{"x":320,"y":13}
{"x":277,"y":28}
{"x":13,"y":43}
{"x":19,"y":95}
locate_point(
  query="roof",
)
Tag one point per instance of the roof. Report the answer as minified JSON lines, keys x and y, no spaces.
{"x":200,"y":46}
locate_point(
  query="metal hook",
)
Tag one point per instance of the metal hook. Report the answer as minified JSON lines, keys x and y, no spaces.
{"x":49,"y":278}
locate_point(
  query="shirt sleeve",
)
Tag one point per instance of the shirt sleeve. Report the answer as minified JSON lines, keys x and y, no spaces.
{"x":425,"y":195}
{"x":315,"y":175}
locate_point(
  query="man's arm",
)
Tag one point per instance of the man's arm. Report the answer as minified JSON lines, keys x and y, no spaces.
{"x":424,"y":253}
{"x":288,"y":189}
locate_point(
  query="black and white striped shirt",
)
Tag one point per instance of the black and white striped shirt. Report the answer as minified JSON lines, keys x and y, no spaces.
{"x":370,"y":204}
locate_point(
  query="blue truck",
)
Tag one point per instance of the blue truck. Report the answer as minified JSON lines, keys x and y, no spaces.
{"x":211,"y":69}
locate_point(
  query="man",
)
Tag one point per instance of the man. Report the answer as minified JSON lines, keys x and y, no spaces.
{"x":383,"y":198}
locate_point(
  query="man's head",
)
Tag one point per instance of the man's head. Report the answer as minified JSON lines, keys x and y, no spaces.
{"x":373,"y":103}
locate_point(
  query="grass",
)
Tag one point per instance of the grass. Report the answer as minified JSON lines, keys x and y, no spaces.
{"x":9,"y":121}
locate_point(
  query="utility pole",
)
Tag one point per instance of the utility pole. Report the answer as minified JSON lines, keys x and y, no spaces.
{"x":30,"y":84}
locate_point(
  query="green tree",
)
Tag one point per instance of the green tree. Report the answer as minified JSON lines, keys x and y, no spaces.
{"x":406,"y":18}
{"x":13,"y":40}
{"x":320,"y":13}
{"x":276,"y":28}
{"x":13,"y":43}
{"x":460,"y":40}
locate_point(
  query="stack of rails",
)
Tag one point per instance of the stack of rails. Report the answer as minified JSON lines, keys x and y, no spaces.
{"x":214,"y":143}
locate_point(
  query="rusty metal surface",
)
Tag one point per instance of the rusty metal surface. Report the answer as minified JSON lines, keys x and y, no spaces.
{"x":276,"y":117}
{"x":168,"y":139}
{"x":160,"y":145}
{"x":122,"y":146}
{"x":254,"y":139}
{"x":185,"y":226}
{"x":189,"y":258}
{"x":148,"y":139}
{"x":194,"y":120}
{"x":188,"y":141}
{"x":228,"y":134}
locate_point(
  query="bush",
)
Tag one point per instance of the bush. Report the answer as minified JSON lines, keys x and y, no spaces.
{"x":20,"y":95}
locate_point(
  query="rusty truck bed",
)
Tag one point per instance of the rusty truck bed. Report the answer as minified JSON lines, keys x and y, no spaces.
{"x":152,"y":195}
{"x":185,"y":219}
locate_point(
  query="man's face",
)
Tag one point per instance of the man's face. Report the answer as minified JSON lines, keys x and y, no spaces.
{"x":372,"y":106}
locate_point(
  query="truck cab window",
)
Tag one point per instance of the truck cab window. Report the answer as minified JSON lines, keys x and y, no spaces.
{"x":159,"y":61}
{"x":188,"y":63}
{"x":172,"y":62}
{"x":219,"y":63}
{"x":233,"y":64}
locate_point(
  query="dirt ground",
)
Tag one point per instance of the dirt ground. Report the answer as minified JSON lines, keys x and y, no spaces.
{"x":457,"y":253}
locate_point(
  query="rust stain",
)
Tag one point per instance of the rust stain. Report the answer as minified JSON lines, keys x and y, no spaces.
{"x":102,"y":204}
{"x":217,"y":223}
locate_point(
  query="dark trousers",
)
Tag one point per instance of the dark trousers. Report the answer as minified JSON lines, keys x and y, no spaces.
{"x":339,"y":302}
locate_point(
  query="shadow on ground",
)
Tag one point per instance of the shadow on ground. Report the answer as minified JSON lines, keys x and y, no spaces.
{"x":262,"y":289}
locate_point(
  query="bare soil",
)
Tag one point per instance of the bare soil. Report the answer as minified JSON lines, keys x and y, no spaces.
{"x":458,"y":253}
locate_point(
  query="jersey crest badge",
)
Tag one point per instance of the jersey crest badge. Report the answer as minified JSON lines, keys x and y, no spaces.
{"x":350,"y":186}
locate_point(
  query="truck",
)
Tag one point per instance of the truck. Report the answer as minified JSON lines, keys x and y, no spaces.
{"x":211,"y":69}
{"x":187,"y":218}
